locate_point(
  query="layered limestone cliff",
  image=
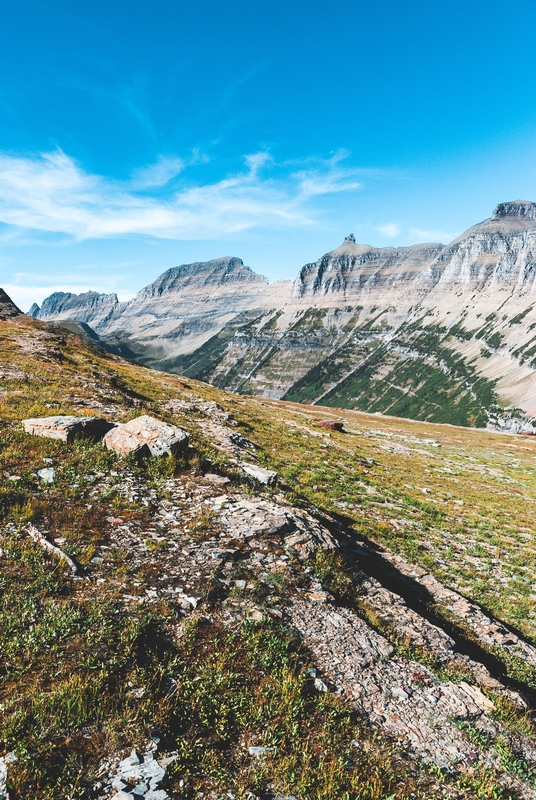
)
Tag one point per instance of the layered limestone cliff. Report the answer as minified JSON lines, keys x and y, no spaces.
{"x":187,"y":305}
{"x":90,"y":307}
{"x":431,"y":331}
{"x":353,"y":271}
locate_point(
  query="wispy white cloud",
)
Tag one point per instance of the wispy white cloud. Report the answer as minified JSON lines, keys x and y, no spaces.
{"x":390,"y":229}
{"x":158,"y":174}
{"x":52,"y":193}
{"x":256,"y":161}
{"x":419,"y":235}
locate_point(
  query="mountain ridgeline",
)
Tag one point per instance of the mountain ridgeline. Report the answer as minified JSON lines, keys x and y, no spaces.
{"x":444,"y":333}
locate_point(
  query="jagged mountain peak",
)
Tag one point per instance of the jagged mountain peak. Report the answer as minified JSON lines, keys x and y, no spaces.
{"x":7,"y":306}
{"x":216,"y":272}
{"x":508,"y":218}
{"x":57,"y":299}
{"x":525,"y":209}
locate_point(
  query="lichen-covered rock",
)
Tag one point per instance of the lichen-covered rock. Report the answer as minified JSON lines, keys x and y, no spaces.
{"x":145,"y":436}
{"x":68,"y":428}
{"x":124,"y":443}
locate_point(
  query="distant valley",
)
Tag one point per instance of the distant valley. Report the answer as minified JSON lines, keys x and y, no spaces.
{"x":443,"y":333}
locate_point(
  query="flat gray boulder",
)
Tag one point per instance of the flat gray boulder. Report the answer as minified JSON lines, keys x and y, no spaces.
{"x":67,"y":428}
{"x":266,"y":476}
{"x":146,"y":435}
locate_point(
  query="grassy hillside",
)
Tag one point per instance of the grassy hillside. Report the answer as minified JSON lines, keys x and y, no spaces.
{"x":95,"y":664}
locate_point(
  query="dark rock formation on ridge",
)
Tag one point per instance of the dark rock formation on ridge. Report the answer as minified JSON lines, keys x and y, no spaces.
{"x":7,"y":306}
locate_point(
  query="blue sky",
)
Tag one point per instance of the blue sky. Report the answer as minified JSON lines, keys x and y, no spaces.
{"x":137,"y":136}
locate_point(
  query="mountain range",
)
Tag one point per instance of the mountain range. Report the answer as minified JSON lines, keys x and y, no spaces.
{"x":443,"y":333}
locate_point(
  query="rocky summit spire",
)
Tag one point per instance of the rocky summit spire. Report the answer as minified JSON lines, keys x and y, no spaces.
{"x":8,"y":308}
{"x":350,"y":238}
{"x":516,"y":208}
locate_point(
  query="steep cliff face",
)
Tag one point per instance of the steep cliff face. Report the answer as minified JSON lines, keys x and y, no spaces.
{"x":353,"y":271}
{"x":90,"y":307}
{"x":438,"y":332}
{"x":497,"y":252}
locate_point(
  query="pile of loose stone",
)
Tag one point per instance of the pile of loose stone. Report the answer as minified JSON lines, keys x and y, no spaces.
{"x":135,"y":777}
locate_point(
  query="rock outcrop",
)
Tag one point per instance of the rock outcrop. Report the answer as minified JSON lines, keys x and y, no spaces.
{"x":67,"y":428}
{"x":90,"y":307}
{"x":266,"y":476}
{"x":518,"y":209}
{"x":8,"y":308}
{"x":146,"y":435}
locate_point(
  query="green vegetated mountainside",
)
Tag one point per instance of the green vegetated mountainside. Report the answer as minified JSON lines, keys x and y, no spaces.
{"x":253,"y":357}
{"x":416,"y":374}
{"x":419,"y":370}
{"x":367,"y":619}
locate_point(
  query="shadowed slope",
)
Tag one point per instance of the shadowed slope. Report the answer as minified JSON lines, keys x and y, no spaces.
{"x":8,"y":308}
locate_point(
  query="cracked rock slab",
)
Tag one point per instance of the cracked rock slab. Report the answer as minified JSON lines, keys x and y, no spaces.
{"x":68,"y":428}
{"x":146,"y":435}
{"x":399,"y":695}
{"x":488,"y":630}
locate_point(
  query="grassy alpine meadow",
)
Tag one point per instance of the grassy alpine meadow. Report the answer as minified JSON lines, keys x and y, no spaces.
{"x":80,"y":679}
{"x":83,"y":676}
{"x":459,"y":502}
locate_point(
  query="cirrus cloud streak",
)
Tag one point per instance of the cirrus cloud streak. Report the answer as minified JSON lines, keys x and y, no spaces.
{"x":52,"y":193}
